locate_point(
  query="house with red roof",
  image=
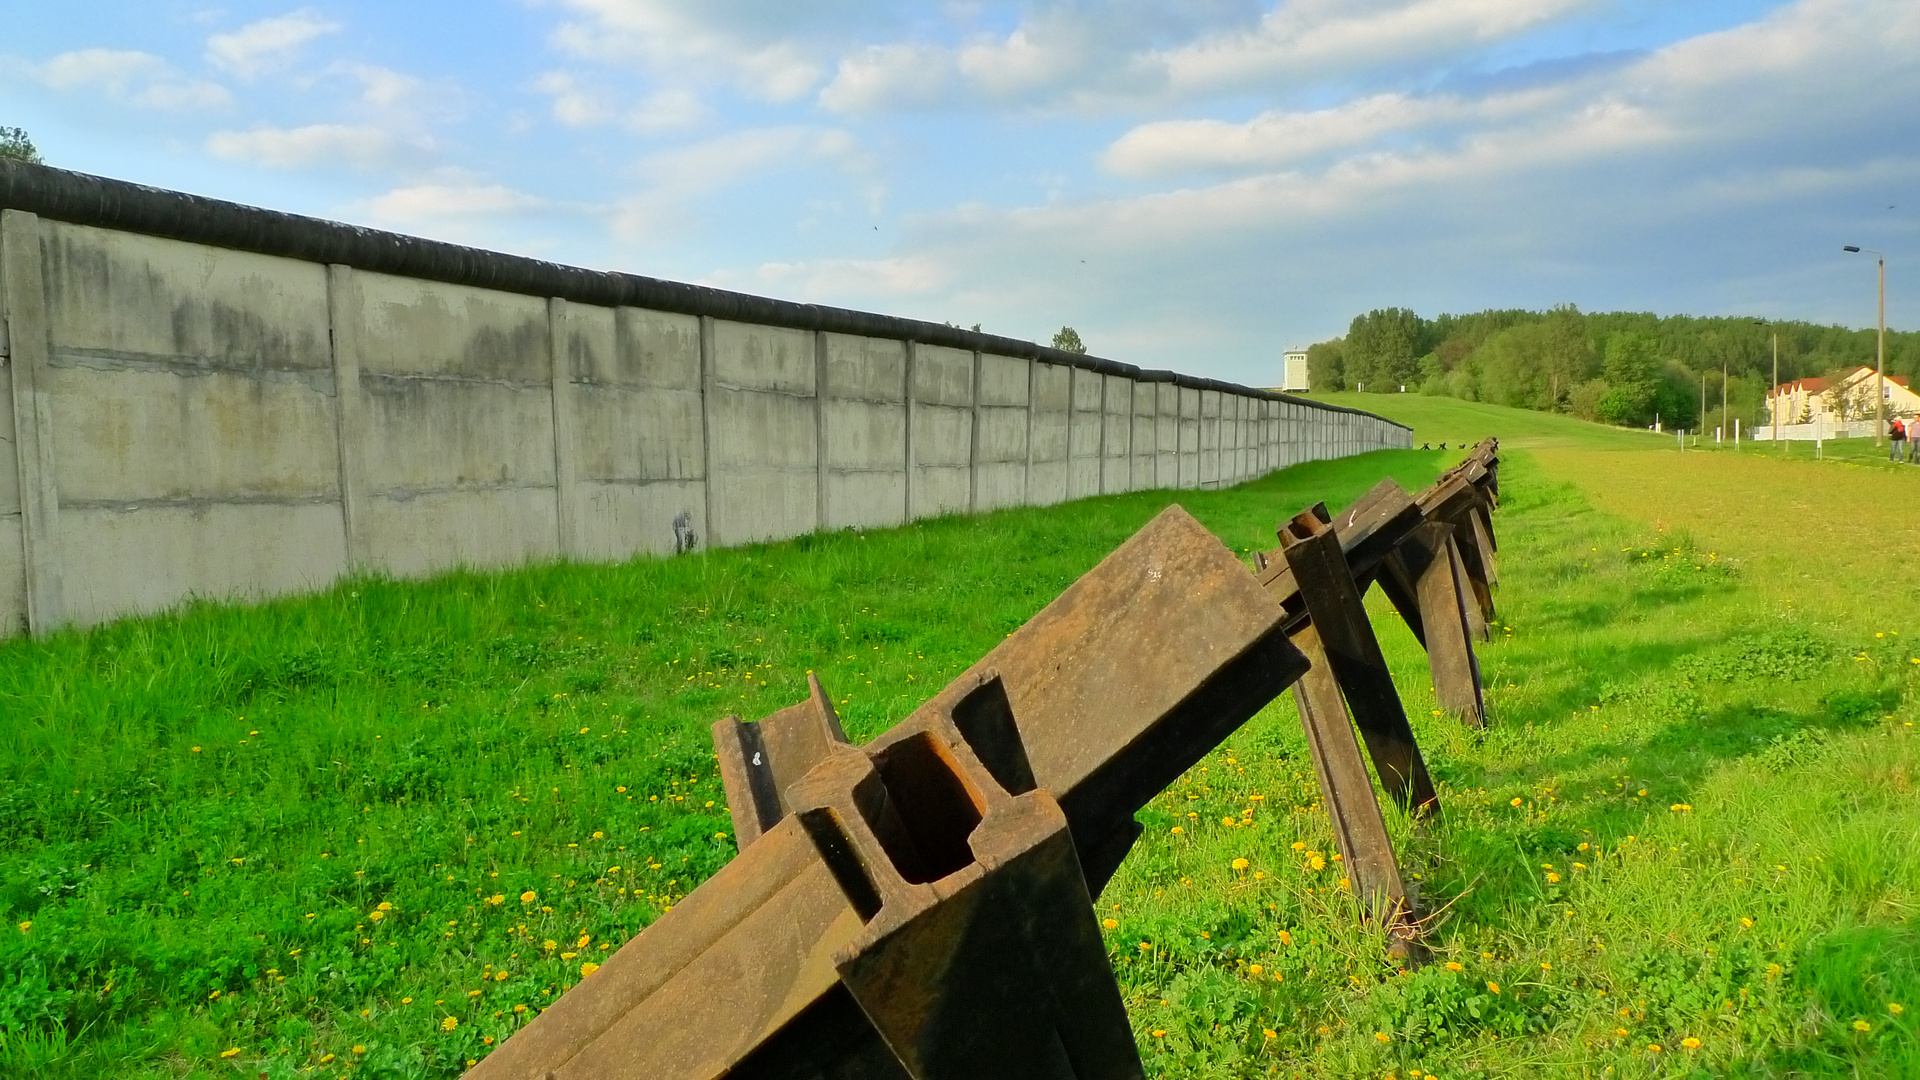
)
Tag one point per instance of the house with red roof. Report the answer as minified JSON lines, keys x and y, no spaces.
{"x":1837,"y":400}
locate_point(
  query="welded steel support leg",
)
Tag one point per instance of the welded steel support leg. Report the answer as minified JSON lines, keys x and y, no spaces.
{"x":1345,"y":788}
{"x":1444,"y":604}
{"x":1333,"y":603}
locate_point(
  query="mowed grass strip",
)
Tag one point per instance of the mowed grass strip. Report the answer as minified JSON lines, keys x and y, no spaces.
{"x":1686,"y":846}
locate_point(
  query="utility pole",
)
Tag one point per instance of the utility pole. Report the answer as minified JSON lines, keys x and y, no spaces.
{"x":1775,"y":410}
{"x":1725,"y":423}
{"x":1703,"y":403}
{"x":1879,"y":351}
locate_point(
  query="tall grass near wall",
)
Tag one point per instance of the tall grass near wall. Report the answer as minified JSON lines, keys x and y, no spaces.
{"x":1686,"y":846}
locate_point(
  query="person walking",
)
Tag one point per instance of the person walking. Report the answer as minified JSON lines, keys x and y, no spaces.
{"x":1896,"y":438}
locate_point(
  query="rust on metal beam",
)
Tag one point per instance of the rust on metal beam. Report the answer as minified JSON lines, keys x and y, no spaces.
{"x":1333,"y":602}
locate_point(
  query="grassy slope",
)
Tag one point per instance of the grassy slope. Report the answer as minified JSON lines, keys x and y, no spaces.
{"x":436,"y":746}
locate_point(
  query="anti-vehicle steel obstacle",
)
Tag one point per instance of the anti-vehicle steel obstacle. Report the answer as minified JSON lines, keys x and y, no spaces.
{"x":920,"y":908}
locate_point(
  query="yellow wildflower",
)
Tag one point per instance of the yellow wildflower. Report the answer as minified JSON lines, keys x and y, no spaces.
{"x":587,"y":968}
{"x":232,"y":1051}
{"x":529,"y":896}
{"x":1690,"y":1043}
{"x":1455,"y":965}
{"x":449,"y":1023}
{"x":1111,"y":924}
{"x":1241,"y":864}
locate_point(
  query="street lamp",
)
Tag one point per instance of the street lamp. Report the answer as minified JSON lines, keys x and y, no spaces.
{"x":1773,"y":406}
{"x":1880,"y":350}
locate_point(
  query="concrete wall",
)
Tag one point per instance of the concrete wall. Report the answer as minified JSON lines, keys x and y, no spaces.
{"x":190,"y":419}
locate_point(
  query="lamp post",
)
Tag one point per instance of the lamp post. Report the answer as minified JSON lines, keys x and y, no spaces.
{"x":1773,"y":403}
{"x":1880,"y":350}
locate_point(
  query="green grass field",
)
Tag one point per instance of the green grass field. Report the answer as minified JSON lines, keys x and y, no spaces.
{"x":370,"y":833}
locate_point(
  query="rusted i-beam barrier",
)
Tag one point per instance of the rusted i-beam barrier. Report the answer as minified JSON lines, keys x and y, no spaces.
{"x":1410,"y":546}
{"x":920,"y":908}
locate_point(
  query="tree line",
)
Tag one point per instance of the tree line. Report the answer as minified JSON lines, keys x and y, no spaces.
{"x":1617,"y":367}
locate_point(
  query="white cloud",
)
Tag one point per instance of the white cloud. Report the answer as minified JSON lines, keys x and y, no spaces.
{"x":680,"y":178}
{"x":132,"y":78}
{"x":577,"y":104}
{"x":882,"y":77}
{"x":365,"y":147}
{"x":767,"y":50}
{"x":263,"y":46}
{"x":1310,"y":39}
{"x":423,"y":203}
{"x":1279,"y":138}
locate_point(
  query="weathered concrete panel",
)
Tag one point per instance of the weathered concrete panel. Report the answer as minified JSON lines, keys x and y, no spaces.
{"x":13,"y":576}
{"x":763,"y":504}
{"x":942,"y":436}
{"x":414,"y":327}
{"x":436,"y":434}
{"x":865,"y":369}
{"x":1003,"y":435}
{"x":629,"y":435}
{"x":866,"y":500}
{"x":9,"y":463}
{"x":147,"y":433}
{"x":410,"y":534}
{"x":1166,"y":435}
{"x":651,"y":349}
{"x":865,"y":436}
{"x":1003,"y":380}
{"x":763,"y":357}
{"x":760,"y":430}
{"x":939,"y":491}
{"x":942,"y":376}
{"x":121,"y":562}
{"x":1210,"y":438}
{"x":1000,"y":484}
{"x":1048,"y":483}
{"x":122,"y":295}
{"x":619,"y":520}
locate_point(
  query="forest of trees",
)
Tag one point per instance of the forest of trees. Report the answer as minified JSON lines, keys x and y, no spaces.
{"x":1616,"y":367}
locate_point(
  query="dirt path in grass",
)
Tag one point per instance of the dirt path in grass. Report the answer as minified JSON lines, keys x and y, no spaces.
{"x":1830,"y":539}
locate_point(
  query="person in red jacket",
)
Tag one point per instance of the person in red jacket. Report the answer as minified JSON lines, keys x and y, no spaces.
{"x":1896,"y":437}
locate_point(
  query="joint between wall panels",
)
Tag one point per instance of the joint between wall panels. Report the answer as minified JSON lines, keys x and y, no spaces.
{"x":706,"y":432}
{"x":1026,"y":481}
{"x":23,"y":304}
{"x":821,"y":471}
{"x":906,"y":395}
{"x":566,"y":486}
{"x":343,"y":321}
{"x":973,"y":440}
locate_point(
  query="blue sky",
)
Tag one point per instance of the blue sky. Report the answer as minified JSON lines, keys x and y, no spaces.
{"x":1190,"y":183}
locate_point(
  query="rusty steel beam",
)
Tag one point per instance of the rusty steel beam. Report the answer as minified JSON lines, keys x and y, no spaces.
{"x":920,"y":908}
{"x":1429,"y":562}
{"x":1332,"y":598}
{"x":1345,"y":788}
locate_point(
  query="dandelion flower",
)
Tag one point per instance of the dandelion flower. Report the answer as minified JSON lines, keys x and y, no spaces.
{"x":1144,"y":946}
{"x":1254,"y":969}
{"x":529,"y":896}
{"x":1111,"y":924}
{"x":519,"y":1008}
{"x":1299,"y":846}
{"x":587,"y":968}
{"x":376,"y":916}
{"x":324,"y":1058}
{"x":1895,"y":1008}
{"x":1681,"y":808}
{"x":1455,"y":965}
{"x":1653,"y":1048}
{"x":1553,"y":878}
{"x":26,"y":925}
{"x":449,"y":1023}
{"x":1690,"y":1043}
{"x":497,"y":899}
{"x":1286,"y":938}
{"x":1746,"y":923}
{"x":1269,"y":1033}
{"x":1159,"y":1033}
{"x":1177,"y":830}
{"x":1862,"y":1025}
{"x":359,"y":1049}
{"x":232,"y":1051}
{"x":1381,"y":1036}
{"x":1493,"y":987}
{"x":1241,"y":864}
{"x":1516,"y":801}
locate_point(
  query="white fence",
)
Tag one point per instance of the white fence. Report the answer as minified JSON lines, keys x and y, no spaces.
{"x":1815,"y":431}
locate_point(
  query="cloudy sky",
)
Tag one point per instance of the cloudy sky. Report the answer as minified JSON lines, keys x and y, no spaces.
{"x":1190,"y":183}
